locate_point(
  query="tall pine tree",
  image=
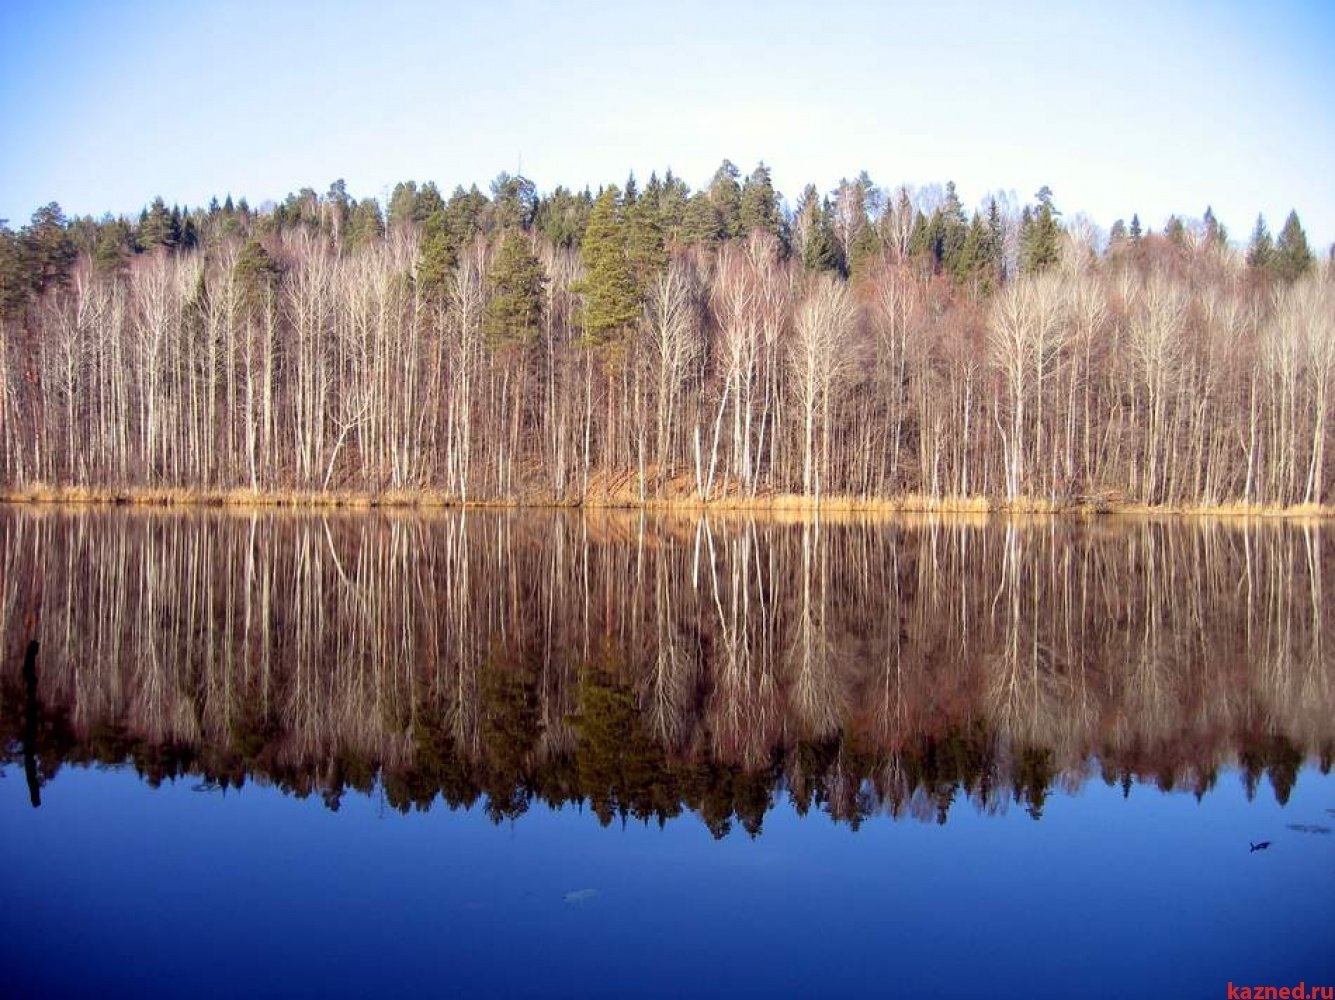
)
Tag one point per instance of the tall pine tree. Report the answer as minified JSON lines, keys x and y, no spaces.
{"x":1293,"y":257}
{"x":514,"y":284}
{"x":611,"y":303}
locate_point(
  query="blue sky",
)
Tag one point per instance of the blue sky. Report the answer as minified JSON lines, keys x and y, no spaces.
{"x":1119,"y":107}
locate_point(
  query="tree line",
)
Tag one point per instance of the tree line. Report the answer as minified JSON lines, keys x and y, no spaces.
{"x":654,"y":343}
{"x":649,"y":666}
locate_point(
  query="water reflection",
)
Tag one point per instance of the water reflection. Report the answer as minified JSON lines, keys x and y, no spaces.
{"x":647,"y":666}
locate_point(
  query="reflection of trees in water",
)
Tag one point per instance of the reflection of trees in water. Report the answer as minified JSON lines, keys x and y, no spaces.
{"x":649,"y":665}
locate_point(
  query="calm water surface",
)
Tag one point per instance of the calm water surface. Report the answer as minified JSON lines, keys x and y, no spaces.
{"x":544,"y":754}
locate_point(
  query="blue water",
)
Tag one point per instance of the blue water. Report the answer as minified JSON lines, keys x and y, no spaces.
{"x":115,"y":888}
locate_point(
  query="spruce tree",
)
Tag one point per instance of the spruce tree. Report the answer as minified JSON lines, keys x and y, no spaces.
{"x":562,"y":216}
{"x":972,"y":264}
{"x":514,"y":284}
{"x":514,"y":202}
{"x":645,"y":245}
{"x":365,"y":225}
{"x":759,"y":209}
{"x":950,"y":232}
{"x":1293,"y":257}
{"x":1040,"y":245}
{"x":156,"y":227}
{"x":996,"y":242}
{"x":1175,"y":231}
{"x":1261,"y":248}
{"x":257,"y":274}
{"x":701,"y":223}
{"x":725,"y":194}
{"x":1117,"y":237}
{"x":14,"y":285}
{"x":113,"y":249}
{"x":1215,"y":233}
{"x":403,"y":203}
{"x":48,"y":253}
{"x":812,"y":226}
{"x":436,"y":257}
{"x":610,"y":301}
{"x":672,"y":201}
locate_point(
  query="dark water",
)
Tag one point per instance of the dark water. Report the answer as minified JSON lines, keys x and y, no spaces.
{"x":549,"y":755}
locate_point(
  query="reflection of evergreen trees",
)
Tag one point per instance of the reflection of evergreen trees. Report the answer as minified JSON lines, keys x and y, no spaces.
{"x":645,"y":673}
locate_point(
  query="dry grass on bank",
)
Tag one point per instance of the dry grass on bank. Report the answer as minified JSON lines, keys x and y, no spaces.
{"x":676,"y":501}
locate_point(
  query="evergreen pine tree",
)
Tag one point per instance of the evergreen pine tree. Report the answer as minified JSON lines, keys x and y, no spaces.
{"x":1176,"y":232}
{"x":759,"y":208}
{"x":610,"y":301}
{"x":437,"y":255}
{"x":1040,"y":246}
{"x":972,"y":264}
{"x":725,"y":194}
{"x":672,"y":201}
{"x":156,"y":227}
{"x":365,"y":225}
{"x":645,"y":245}
{"x":1117,"y":237}
{"x":514,"y":202}
{"x":562,"y":216}
{"x":996,"y":242}
{"x":951,"y":231}
{"x":812,"y":228}
{"x":1261,"y":249}
{"x":701,"y":223}
{"x":14,"y":283}
{"x":112,"y":251}
{"x":403,"y":203}
{"x":48,"y":253}
{"x":514,"y":285}
{"x":1215,"y":233}
{"x":1293,"y":257}
{"x":257,"y":274}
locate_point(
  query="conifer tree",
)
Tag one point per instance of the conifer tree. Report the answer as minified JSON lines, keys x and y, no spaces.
{"x":1175,"y":231}
{"x":514,"y":202}
{"x":157,"y":228}
{"x":1215,"y":233}
{"x":13,"y":276}
{"x":645,"y":245}
{"x":1293,"y":257}
{"x":759,"y":208}
{"x":701,"y":223}
{"x":1261,"y":248}
{"x":1117,"y":237}
{"x":610,"y":301}
{"x":996,"y":242}
{"x":562,"y":216}
{"x":514,"y":284}
{"x":113,"y":248}
{"x":672,"y":199}
{"x":365,"y":225}
{"x":725,"y":194}
{"x":48,"y":253}
{"x":258,"y":274}
{"x":436,"y":257}
{"x":813,"y":234}
{"x":1040,"y":246}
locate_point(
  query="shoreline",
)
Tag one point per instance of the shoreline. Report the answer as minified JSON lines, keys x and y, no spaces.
{"x":776,"y":503}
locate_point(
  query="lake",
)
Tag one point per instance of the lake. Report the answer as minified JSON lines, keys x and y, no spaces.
{"x":548,"y":754}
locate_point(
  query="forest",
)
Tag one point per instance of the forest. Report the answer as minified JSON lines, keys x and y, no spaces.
{"x":653,"y":344}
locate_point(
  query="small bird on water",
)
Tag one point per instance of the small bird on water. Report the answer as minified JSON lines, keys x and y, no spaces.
{"x":1258,"y":847}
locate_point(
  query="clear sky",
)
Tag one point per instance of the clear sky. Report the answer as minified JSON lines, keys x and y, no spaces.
{"x":1149,"y":107}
